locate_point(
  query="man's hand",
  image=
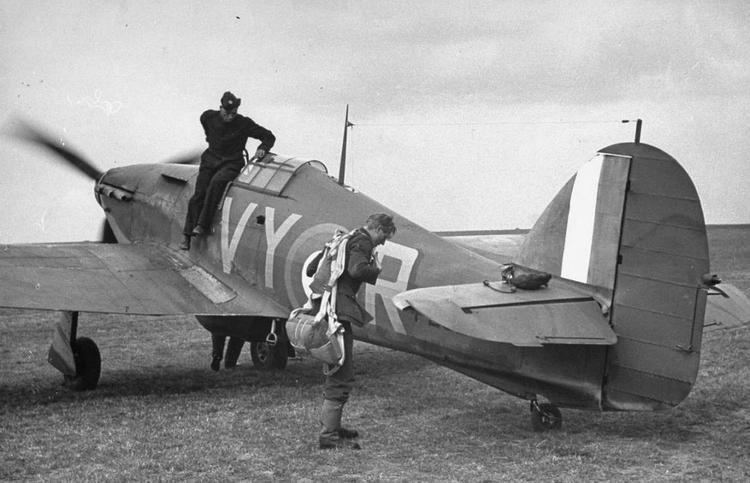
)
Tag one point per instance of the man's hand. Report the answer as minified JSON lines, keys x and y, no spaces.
{"x":376,"y":261}
{"x":260,"y":154}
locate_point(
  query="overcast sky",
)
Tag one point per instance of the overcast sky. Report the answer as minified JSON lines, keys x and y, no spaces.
{"x":468,"y":114}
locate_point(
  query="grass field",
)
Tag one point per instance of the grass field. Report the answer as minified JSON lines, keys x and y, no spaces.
{"x":160,"y":413}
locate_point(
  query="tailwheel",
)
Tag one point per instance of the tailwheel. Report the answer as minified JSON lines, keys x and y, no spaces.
{"x":269,"y":356}
{"x":88,"y":365}
{"x":545,"y":416}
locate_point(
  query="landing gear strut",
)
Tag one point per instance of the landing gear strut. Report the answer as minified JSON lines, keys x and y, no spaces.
{"x":88,"y":365}
{"x":271,"y":353}
{"x":76,"y":357}
{"x":544,"y":416}
{"x":267,"y":356}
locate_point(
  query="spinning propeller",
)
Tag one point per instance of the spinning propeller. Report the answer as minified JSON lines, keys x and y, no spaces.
{"x":26,"y":132}
{"x":32,"y":135}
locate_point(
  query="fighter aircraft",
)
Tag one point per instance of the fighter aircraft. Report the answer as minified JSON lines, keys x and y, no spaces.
{"x":617,"y":327}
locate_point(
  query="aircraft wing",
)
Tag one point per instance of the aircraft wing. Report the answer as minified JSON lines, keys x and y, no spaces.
{"x":558,"y":314}
{"x":727,"y":307}
{"x":500,"y":246}
{"x":141,"y":279}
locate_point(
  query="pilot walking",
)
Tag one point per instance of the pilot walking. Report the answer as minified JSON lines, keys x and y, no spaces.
{"x":226,"y":134}
{"x":360,"y":266}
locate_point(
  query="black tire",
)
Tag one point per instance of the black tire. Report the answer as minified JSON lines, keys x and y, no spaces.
{"x":267,"y":357}
{"x":545,"y":417}
{"x":88,"y":365}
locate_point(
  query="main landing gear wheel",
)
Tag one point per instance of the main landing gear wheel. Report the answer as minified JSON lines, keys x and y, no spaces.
{"x":88,"y":365}
{"x":545,"y":416}
{"x":266,"y":356}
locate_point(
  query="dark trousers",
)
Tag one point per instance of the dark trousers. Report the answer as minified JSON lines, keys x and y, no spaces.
{"x":213,"y":176}
{"x":234,"y":348}
{"x":339,"y":384}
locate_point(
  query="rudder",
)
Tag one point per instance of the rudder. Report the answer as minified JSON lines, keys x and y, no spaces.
{"x":630,"y":224}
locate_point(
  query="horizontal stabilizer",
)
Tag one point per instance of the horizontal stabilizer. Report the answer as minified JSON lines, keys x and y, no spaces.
{"x":727,"y":308}
{"x":560,"y":314}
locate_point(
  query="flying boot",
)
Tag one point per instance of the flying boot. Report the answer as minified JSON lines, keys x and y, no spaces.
{"x":217,"y":346}
{"x":333,"y":435}
{"x":185,"y":245}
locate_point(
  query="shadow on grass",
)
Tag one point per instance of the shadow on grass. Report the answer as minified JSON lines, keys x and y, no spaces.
{"x":152,"y":381}
{"x":371,"y":364}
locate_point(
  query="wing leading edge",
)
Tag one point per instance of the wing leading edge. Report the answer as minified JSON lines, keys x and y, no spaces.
{"x":559,"y":314}
{"x":139,"y":279}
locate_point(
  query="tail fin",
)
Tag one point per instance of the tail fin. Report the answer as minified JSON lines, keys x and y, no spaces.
{"x":630,"y":224}
{"x":578,"y":235}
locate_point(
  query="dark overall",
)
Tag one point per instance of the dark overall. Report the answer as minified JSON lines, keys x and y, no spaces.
{"x":221,"y":163}
{"x":213,"y":176}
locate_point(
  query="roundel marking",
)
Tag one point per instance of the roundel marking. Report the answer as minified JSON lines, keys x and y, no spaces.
{"x":309,"y":241}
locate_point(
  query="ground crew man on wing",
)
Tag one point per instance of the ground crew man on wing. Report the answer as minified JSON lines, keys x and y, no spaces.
{"x":226,"y":134}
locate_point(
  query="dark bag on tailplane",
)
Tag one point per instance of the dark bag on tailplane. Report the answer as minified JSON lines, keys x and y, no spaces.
{"x":524,"y":277}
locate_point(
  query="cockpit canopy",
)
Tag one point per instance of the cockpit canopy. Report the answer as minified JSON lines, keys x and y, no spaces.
{"x":273,"y":173}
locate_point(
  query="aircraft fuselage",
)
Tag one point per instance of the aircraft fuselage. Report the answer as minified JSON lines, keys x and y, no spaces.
{"x":266,"y":240}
